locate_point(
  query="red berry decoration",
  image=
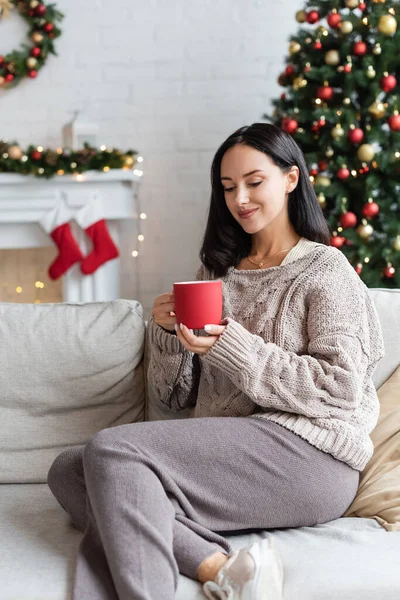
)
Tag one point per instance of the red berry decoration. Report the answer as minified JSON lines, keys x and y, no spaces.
{"x":1,"y":60}
{"x":358,"y":269}
{"x":32,"y":74}
{"x":388,"y":83}
{"x":289,"y":70}
{"x":347,"y":220}
{"x":359,"y":48}
{"x":334,"y":20}
{"x":40,"y":10}
{"x":9,"y":77}
{"x":394,"y":122}
{"x":36,"y":155}
{"x":48,"y":27}
{"x":389,"y":271}
{"x":323,"y":165}
{"x":313,"y":172}
{"x":343,"y":173}
{"x":36,"y":52}
{"x":362,"y":6}
{"x":325,"y":92}
{"x":317,"y":45}
{"x":337,"y":241}
{"x":312,"y":17}
{"x":355,"y":135}
{"x":347,"y":68}
{"x":370,"y":209}
{"x":289,"y":125}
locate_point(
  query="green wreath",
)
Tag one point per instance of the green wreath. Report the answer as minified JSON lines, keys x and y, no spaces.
{"x":43,"y":30}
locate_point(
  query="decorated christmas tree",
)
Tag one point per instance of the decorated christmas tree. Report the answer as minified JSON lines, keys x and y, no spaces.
{"x":341,"y":104}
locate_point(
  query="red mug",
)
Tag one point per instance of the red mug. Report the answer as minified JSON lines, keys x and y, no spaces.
{"x":198,"y":303}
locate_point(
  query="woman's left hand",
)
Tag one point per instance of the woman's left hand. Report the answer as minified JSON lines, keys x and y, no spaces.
{"x":199,"y":344}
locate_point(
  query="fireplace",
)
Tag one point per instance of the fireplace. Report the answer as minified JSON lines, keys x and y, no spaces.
{"x":25,"y":199}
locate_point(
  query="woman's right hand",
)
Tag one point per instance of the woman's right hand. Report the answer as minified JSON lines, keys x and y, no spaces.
{"x":163,"y":311}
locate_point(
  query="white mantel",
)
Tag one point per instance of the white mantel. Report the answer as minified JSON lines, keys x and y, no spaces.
{"x":25,"y":198}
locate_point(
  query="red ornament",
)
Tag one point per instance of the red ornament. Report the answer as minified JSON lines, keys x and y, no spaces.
{"x":334,"y":20}
{"x":358,"y":268}
{"x":359,"y":48}
{"x":40,"y":10}
{"x":312,"y":17}
{"x":314,"y":172}
{"x":36,"y":155}
{"x":323,"y":165}
{"x":283,"y":96}
{"x":325,"y":92}
{"x":370,"y":209}
{"x":289,"y":125}
{"x":289,"y":70}
{"x":32,"y":74}
{"x":343,"y":173}
{"x":307,"y":68}
{"x":347,"y":68}
{"x":355,"y":135}
{"x":347,"y":220}
{"x":394,"y":122}
{"x":9,"y":77}
{"x":337,"y":241}
{"x":317,"y":45}
{"x":1,"y":60}
{"x":388,"y":83}
{"x":36,"y":52}
{"x":48,"y":27}
{"x":362,"y":6}
{"x":389,"y":272}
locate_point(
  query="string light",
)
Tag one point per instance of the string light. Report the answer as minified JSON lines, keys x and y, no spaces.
{"x":140,"y":238}
{"x":143,"y":216}
{"x":135,"y":253}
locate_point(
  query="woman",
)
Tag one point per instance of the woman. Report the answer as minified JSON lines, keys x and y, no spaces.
{"x":281,"y":394}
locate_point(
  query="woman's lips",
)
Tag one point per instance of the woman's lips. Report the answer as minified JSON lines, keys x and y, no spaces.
{"x":247,"y":215}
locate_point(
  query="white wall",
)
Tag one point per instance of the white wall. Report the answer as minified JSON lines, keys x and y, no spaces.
{"x":170,"y":78}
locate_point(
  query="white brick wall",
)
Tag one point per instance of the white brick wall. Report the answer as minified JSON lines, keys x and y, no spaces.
{"x":170,"y":78}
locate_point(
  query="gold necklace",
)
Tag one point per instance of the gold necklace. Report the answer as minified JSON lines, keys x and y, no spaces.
{"x":261,"y":264}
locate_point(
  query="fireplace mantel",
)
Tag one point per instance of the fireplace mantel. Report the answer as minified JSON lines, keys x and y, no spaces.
{"x":24,"y":200}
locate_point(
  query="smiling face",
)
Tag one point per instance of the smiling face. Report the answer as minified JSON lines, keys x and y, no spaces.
{"x":252,"y":181}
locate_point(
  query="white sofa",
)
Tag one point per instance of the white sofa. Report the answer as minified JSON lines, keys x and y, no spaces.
{"x":69,"y":370}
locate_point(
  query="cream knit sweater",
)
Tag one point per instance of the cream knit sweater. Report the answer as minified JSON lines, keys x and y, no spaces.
{"x":301,"y":344}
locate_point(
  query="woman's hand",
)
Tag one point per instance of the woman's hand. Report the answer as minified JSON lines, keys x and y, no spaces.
{"x":163,"y":311}
{"x":199,"y":344}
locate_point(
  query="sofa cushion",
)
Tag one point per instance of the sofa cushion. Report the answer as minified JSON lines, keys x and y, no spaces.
{"x":387,"y":304}
{"x":66,"y":371}
{"x":346,"y":559}
{"x":378,"y":494}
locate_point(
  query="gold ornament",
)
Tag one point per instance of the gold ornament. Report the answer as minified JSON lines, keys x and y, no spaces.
{"x":34,"y":3}
{"x":351,"y":3}
{"x":337,"y":132}
{"x":298,"y":83}
{"x":5,"y":8}
{"x":2,"y":81}
{"x":332,"y":57}
{"x":377,"y":110}
{"x":128,"y":161}
{"x":365,"y":153}
{"x":322,"y":180}
{"x":301,"y":16}
{"x":377,"y":49}
{"x":346,"y":27}
{"x":322,"y":200}
{"x":329,"y":152}
{"x":15,"y":152}
{"x":37,"y":37}
{"x":365,"y":230}
{"x":31,"y":62}
{"x":387,"y":25}
{"x":294,"y":47}
{"x":396,"y":243}
{"x":371,"y":72}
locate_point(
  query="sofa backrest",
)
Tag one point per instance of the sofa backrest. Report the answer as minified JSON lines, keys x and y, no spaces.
{"x":66,"y":372}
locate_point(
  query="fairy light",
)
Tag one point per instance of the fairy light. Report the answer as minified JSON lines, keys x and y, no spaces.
{"x":103,"y":148}
{"x":106,"y":169}
{"x":40,"y":148}
{"x":135,"y":253}
{"x":139,"y":159}
{"x":140,"y":238}
{"x":143,"y":216}
{"x":138,"y":172}
{"x":18,"y":289}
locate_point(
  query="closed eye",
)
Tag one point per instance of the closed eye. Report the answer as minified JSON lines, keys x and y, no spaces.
{"x":255,"y":184}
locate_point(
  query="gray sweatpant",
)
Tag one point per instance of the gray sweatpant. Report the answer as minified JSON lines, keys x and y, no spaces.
{"x":151,"y":497}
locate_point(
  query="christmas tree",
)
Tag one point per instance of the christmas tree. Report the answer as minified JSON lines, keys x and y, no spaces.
{"x":341,"y":105}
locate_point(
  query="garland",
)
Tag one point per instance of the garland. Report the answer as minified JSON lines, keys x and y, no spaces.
{"x":42,"y":20}
{"x":47,"y":163}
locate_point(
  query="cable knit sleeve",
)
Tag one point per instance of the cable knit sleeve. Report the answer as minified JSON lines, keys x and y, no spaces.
{"x":173,"y":372}
{"x":344,"y":345}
